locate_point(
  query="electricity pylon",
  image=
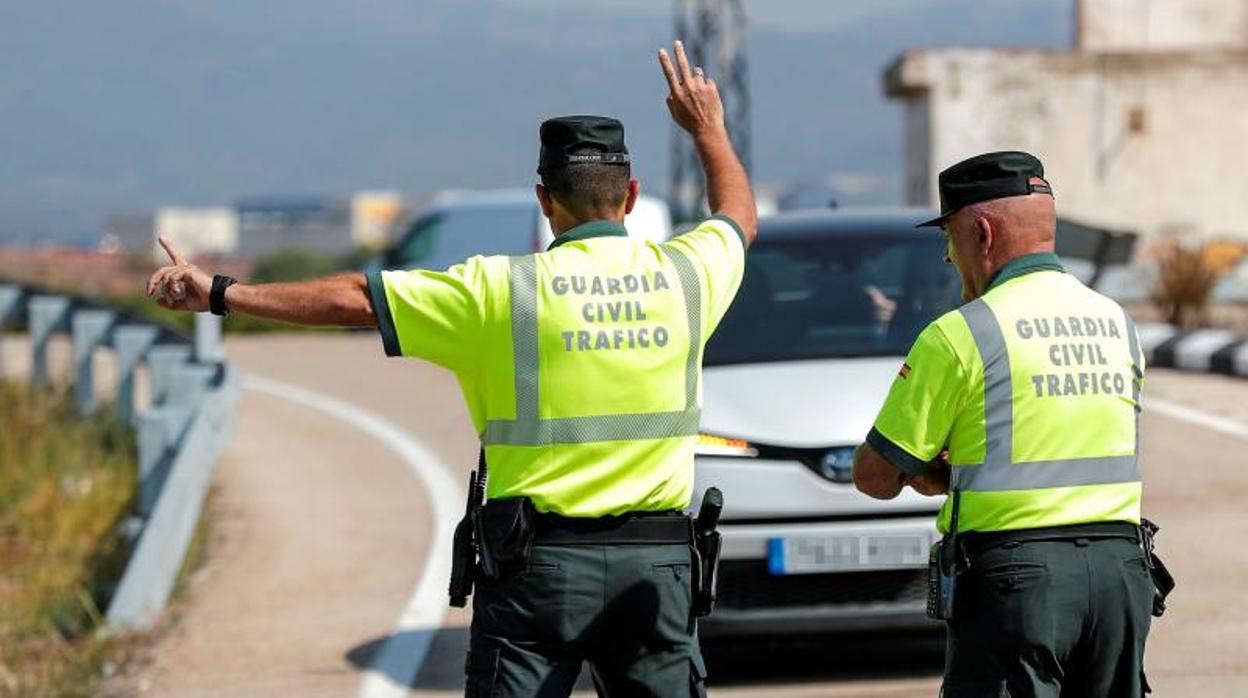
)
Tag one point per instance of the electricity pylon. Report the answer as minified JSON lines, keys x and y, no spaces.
{"x":713,"y":32}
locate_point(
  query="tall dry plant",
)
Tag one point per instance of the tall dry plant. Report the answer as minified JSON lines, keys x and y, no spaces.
{"x":1186,"y":275}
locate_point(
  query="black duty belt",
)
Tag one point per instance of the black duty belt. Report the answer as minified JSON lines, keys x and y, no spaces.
{"x":975,"y":542}
{"x":639,"y":528}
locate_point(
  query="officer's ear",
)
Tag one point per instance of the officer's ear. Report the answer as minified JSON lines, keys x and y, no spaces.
{"x":634,"y":191}
{"x":986,"y":234}
{"x":545,"y":201}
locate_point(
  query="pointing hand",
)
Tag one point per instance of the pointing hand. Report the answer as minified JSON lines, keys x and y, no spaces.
{"x":181,"y":286}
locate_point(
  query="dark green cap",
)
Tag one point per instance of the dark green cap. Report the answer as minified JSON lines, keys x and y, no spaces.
{"x":988,"y":176}
{"x":563,"y":135}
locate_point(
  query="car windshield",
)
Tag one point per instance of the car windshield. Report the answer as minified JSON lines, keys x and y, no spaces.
{"x":834,"y":296}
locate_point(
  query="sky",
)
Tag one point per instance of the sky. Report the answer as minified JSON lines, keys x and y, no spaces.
{"x":800,"y":16}
{"x":121,"y":107}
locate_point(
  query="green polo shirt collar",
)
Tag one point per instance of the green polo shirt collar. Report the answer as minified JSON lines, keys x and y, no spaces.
{"x":592,"y":229}
{"x":1020,"y":266}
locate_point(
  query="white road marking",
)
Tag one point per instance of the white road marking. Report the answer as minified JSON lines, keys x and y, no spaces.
{"x":395,"y":665}
{"x":1193,"y":416}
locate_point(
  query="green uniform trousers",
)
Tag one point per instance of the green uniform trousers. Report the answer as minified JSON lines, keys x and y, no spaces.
{"x":625,"y":609}
{"x":1051,"y":618}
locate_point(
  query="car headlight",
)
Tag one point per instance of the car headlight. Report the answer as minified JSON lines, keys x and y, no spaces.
{"x":711,"y":445}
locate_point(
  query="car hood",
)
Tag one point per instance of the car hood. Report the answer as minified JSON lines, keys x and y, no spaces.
{"x":826,"y":402}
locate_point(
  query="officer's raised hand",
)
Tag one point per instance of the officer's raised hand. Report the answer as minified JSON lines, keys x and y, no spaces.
{"x":693,"y":98}
{"x":180,"y":286}
{"x":696,"y":107}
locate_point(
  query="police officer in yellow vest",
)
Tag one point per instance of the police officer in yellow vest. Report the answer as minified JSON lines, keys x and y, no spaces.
{"x":1023,"y":404}
{"x":581,"y":368}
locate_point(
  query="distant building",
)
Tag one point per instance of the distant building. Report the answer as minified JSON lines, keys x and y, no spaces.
{"x":1142,"y":125}
{"x":373,"y":217}
{"x":196,"y":231}
{"x":268,"y":224}
{"x":257,"y":226}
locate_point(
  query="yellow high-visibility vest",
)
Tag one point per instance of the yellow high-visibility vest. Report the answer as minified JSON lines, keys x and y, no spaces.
{"x":581,"y":365}
{"x":1035,"y":390}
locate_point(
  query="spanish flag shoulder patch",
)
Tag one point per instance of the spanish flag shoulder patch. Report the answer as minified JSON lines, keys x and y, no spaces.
{"x":905,"y":371}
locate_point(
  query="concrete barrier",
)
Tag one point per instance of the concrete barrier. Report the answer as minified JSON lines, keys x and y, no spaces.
{"x":1208,"y":351}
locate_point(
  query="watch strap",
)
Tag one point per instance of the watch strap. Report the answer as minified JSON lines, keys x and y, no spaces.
{"x":216,"y":297}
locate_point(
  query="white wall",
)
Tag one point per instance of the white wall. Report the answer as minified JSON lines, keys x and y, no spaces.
{"x":1154,"y":143}
{"x":195,"y":231}
{"x":1162,"y":25}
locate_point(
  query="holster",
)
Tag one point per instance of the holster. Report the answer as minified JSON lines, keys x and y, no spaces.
{"x":505,"y":530}
{"x":944,"y":564}
{"x":1163,"y":581}
{"x":707,"y":545}
{"x":470,"y":557}
{"x":464,"y":548}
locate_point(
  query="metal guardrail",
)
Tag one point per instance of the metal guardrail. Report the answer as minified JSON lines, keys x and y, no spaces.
{"x":192,"y":393}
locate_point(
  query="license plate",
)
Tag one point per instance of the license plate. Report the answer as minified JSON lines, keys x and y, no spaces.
{"x":847,"y":552}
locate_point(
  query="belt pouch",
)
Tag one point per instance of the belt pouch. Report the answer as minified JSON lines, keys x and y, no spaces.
{"x":507,"y":527}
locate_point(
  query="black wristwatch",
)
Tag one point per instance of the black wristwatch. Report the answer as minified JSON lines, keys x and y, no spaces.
{"x":216,"y":297}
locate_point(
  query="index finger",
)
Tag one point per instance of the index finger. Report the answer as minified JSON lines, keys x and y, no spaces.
{"x":683,"y":63}
{"x":169,"y":250}
{"x":673,"y":83}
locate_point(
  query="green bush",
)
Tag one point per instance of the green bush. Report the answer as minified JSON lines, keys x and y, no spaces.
{"x":294,"y":264}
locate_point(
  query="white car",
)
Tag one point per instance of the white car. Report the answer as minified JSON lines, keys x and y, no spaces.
{"x":794,"y":377}
{"x":460,"y":224}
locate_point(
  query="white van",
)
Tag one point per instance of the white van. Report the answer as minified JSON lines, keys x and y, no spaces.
{"x":459,"y":225}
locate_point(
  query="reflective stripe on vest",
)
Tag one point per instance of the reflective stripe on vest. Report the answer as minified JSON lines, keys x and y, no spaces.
{"x":1137,"y":373}
{"x":999,"y":472}
{"x":529,"y":429}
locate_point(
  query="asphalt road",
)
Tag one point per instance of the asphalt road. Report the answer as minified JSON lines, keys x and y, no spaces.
{"x":321,"y":542}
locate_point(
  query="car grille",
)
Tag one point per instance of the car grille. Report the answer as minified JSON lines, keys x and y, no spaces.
{"x":746,"y":584}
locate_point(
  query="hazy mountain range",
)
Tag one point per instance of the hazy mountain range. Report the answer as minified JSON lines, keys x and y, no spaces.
{"x":127,"y":105}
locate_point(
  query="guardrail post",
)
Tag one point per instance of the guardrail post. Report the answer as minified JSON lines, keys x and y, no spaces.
{"x":10,"y":305}
{"x":153,"y":444}
{"x":158,"y":432}
{"x":208,"y":347}
{"x":89,"y":329}
{"x":161,"y":430}
{"x":9,"y":297}
{"x":130,"y":343}
{"x":188,"y":384}
{"x":161,"y":360}
{"x":47,"y":314}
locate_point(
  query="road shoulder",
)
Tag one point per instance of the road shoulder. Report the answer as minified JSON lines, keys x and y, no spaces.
{"x":318,"y":536}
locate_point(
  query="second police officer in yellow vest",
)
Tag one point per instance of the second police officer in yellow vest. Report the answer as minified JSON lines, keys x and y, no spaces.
{"x":1024,"y":404}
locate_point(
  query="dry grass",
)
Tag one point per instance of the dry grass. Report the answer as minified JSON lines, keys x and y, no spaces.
{"x":65,"y":484}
